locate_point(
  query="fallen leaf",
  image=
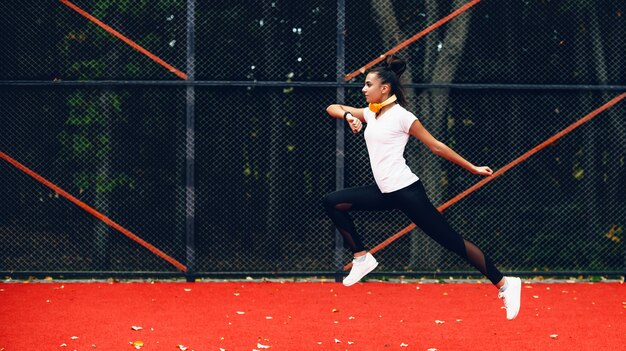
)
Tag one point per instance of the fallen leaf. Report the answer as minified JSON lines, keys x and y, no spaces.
{"x":136,"y":327}
{"x":432,"y":349}
{"x":182,"y":347}
{"x":241,"y":312}
{"x":404,"y":345}
{"x":187,"y":290}
{"x":261,"y":346}
{"x":439,"y":322}
{"x":137,"y":344}
{"x":335,"y":310}
{"x":554,"y":336}
{"x":74,"y":337}
{"x":337,"y":341}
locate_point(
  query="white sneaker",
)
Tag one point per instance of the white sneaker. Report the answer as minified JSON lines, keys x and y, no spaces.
{"x":360,"y":269}
{"x":512,"y":297}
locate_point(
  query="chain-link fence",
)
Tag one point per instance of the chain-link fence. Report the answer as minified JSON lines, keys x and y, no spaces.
{"x":224,"y":172}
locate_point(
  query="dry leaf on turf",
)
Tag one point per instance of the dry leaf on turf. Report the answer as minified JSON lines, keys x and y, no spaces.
{"x":404,"y":345}
{"x":137,"y":344}
{"x":182,"y":347}
{"x":136,"y":327}
{"x":439,"y":322}
{"x":554,"y":336}
{"x":261,"y":346}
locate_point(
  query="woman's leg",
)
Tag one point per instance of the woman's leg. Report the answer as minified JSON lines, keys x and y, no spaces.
{"x":414,"y":202}
{"x":339,"y":204}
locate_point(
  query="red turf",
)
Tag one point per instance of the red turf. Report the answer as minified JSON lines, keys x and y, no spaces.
{"x":308,"y":316}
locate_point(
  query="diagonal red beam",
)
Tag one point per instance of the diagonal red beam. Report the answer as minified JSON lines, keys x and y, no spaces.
{"x":501,"y":171}
{"x":125,"y":39}
{"x":412,"y":39}
{"x":94,"y":212}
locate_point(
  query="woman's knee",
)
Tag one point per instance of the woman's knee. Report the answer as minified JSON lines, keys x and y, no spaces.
{"x":332,"y":202}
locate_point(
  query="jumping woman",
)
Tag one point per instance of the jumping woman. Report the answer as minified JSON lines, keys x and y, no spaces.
{"x":389,"y":126}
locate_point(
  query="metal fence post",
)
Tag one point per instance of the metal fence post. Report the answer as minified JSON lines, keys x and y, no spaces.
{"x":339,"y":154}
{"x":190,"y":143}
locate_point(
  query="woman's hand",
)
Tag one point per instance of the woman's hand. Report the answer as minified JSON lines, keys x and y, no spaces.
{"x":484,"y":171}
{"x":355,"y":124}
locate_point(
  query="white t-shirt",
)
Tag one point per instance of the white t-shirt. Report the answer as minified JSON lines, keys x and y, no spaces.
{"x":386,"y":138}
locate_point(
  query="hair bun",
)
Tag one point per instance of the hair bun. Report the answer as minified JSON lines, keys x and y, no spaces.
{"x":397,"y":65}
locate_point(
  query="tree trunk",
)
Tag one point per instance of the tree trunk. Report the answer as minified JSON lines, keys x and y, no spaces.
{"x":587,"y":190}
{"x":435,"y":109}
{"x":441,"y":61}
{"x":617,"y":122}
{"x":273,"y":58}
{"x":103,"y":233}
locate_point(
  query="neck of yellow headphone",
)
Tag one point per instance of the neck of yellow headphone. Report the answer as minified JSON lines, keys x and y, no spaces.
{"x":376,"y":107}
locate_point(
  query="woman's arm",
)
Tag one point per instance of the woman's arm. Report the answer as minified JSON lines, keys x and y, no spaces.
{"x":355,"y":117}
{"x":337,"y":111}
{"x":440,"y":149}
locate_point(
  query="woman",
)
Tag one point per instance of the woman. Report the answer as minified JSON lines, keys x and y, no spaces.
{"x":397,"y":187}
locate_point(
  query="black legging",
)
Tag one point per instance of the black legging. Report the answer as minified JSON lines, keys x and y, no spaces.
{"x":414,"y":203}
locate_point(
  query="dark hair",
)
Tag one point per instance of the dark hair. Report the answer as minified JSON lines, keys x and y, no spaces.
{"x":389,"y":73}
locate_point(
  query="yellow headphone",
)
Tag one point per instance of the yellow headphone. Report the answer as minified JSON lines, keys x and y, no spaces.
{"x":376,"y":107}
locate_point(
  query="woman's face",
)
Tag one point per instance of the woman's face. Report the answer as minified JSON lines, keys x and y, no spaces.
{"x":374,"y":90}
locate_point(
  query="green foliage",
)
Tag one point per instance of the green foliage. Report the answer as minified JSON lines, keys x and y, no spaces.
{"x":87,"y":140}
{"x":102,"y":184}
{"x":577,"y":5}
{"x":88,"y":69}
